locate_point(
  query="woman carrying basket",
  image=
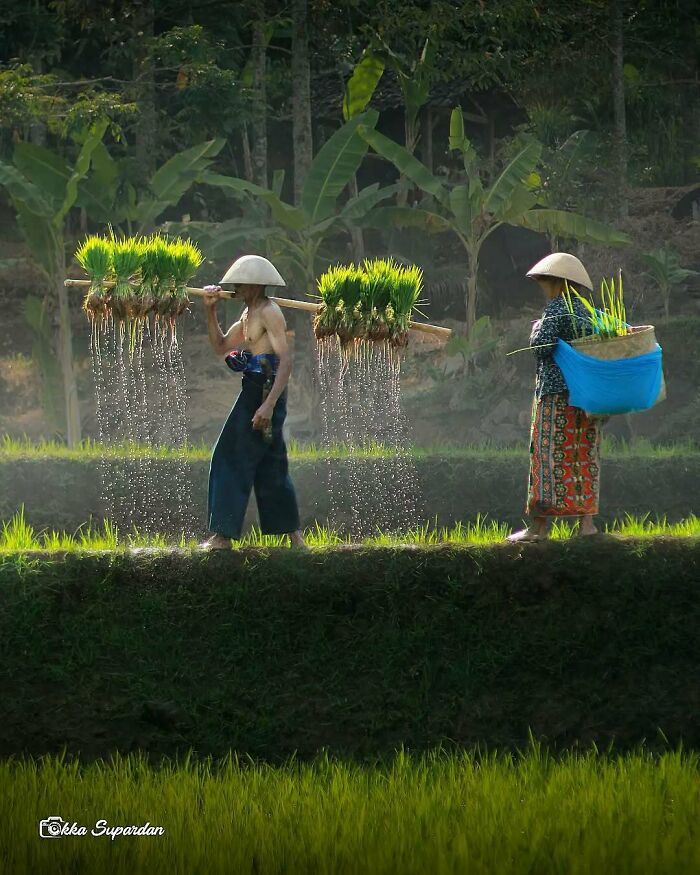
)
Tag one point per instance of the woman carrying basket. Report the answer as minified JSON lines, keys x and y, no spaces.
{"x":564,"y":475}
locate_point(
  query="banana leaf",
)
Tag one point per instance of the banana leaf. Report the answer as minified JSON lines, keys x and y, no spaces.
{"x":361,"y":85}
{"x":333,"y":167}
{"x":41,"y":236}
{"x":406,"y":163}
{"x":511,"y":178}
{"x":46,"y":169}
{"x":288,"y":216}
{"x":80,"y":169}
{"x":461,"y":206}
{"x":407,"y":217}
{"x":366,"y":200}
{"x":97,"y":193}
{"x":24,"y":192}
{"x":572,"y":225}
{"x":174,"y":178}
{"x":458,"y":141}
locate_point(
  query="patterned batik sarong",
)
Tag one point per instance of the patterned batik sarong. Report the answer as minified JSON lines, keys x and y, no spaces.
{"x":564,"y":459}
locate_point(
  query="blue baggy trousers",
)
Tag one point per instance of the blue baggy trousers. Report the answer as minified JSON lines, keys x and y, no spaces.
{"x":242,"y":460}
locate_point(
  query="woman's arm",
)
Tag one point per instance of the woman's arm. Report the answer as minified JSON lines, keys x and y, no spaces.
{"x":546,"y":330}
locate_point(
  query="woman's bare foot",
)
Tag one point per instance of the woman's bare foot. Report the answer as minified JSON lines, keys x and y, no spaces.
{"x":587,"y":527}
{"x":216,"y":542}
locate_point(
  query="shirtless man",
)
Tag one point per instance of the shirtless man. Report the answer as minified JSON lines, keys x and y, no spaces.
{"x":250,"y":452}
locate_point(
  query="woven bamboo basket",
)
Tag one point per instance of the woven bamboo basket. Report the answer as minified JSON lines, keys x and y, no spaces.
{"x":640,"y":340}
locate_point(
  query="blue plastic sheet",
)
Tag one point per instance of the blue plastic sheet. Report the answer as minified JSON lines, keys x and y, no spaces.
{"x":601,"y":386}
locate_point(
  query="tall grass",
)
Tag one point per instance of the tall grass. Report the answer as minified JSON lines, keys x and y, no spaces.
{"x":441,"y":812}
{"x":17,"y":536}
{"x":12,"y":448}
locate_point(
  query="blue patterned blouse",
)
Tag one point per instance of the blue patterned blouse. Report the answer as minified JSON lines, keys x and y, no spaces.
{"x":556,"y":322}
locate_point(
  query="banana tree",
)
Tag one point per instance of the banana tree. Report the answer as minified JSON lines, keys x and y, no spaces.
{"x":297,"y":233}
{"x":666,"y":271}
{"x":358,"y":93}
{"x":472,"y":210}
{"x":107,"y":196}
{"x":43,"y":187}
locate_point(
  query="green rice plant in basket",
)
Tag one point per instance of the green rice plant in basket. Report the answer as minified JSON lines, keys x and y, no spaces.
{"x":608,"y":320}
{"x":94,"y":255}
{"x":127,"y":253}
{"x":186,"y":258}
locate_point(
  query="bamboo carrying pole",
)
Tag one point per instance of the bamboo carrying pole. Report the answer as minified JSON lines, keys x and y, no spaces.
{"x":425,"y":327}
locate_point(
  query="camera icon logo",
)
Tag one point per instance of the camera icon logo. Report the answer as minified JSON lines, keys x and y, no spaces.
{"x":50,"y":827}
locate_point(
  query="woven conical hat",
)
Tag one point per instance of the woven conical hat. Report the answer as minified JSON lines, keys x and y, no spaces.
{"x":253,"y":269}
{"x":563,"y":266}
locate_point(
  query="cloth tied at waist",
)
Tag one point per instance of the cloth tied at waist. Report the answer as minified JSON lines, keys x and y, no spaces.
{"x":265,"y":363}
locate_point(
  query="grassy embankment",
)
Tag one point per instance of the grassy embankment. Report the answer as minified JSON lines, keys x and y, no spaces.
{"x":442,"y":813}
{"x":353,"y":648}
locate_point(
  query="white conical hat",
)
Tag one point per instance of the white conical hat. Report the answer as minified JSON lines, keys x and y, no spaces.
{"x":253,"y":269}
{"x":563,"y":266}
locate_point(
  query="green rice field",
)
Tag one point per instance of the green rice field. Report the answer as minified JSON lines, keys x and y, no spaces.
{"x":17,"y":535}
{"x":14,"y":448}
{"x":478,"y":812}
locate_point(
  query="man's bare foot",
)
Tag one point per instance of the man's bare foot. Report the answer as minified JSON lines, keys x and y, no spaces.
{"x":216,"y":542}
{"x":586,"y":528}
{"x":534,"y":532}
{"x":296,"y":540}
{"x":528,"y":534}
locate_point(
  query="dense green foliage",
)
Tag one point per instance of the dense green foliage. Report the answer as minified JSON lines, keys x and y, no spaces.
{"x":442,"y":813}
{"x":355,"y":649}
{"x":230,"y":129}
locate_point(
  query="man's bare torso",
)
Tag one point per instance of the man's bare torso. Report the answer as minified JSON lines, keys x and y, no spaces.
{"x":255,"y":336}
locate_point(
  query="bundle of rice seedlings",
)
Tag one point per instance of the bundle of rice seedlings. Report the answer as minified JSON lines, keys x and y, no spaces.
{"x":350,"y":322}
{"x":340,"y":290}
{"x":405,"y":294}
{"x":186,"y":259}
{"x":375,"y":301}
{"x":127,"y":253}
{"x":94,"y":255}
{"x":330,"y":290}
{"x":150,"y":274}
{"x":380,"y":277}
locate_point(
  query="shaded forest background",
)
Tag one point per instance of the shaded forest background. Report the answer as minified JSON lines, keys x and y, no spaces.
{"x":132,"y":113}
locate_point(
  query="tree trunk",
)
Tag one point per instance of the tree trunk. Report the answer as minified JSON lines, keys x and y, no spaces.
{"x":65,"y":353}
{"x":259,"y":114}
{"x":471,"y":297}
{"x":301,"y":97}
{"x":411,"y":138}
{"x":144,"y":91}
{"x":427,"y":143}
{"x":37,"y":129}
{"x":248,"y":171}
{"x":620,"y":123}
{"x":472,"y":290}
